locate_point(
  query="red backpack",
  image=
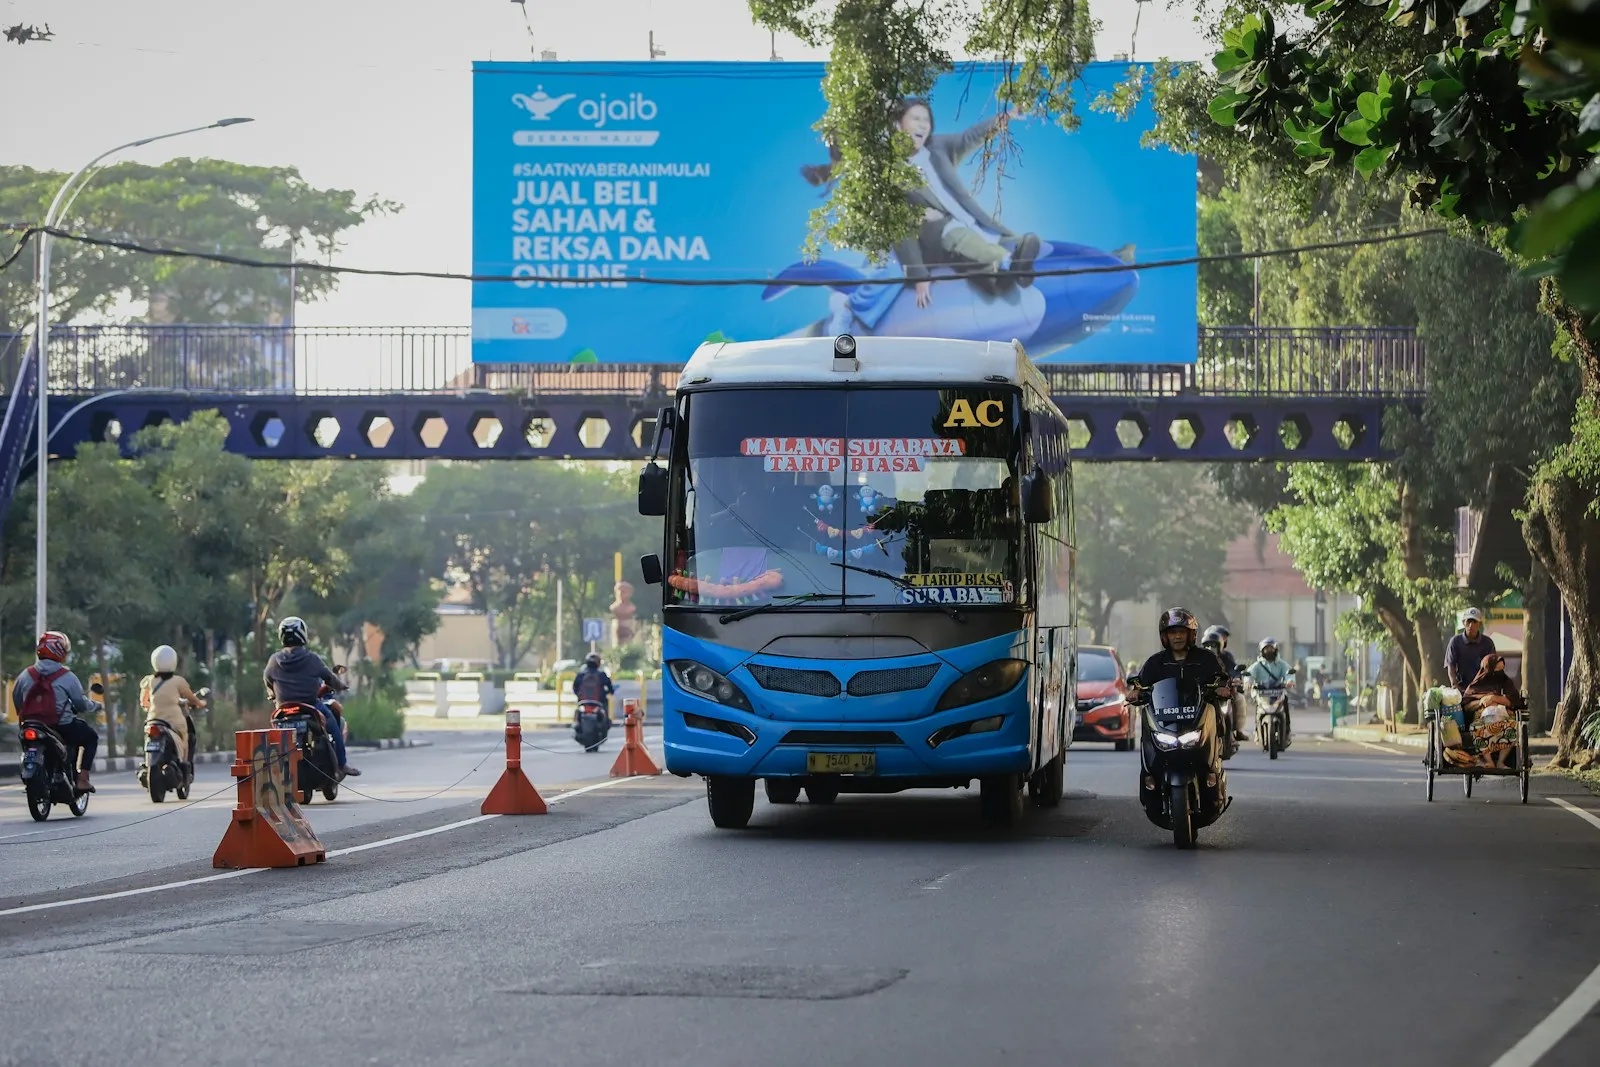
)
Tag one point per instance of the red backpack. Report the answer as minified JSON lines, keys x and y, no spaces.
{"x":39,"y":704}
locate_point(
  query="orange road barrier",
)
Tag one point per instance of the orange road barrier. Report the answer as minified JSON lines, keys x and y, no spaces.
{"x":513,"y":794}
{"x":268,"y":829}
{"x":634,"y":759}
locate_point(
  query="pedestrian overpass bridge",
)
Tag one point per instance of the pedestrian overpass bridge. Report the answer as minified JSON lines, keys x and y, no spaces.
{"x":1268,"y":393}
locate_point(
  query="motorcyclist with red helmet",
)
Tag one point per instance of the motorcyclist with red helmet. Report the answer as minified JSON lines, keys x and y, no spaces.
{"x":60,"y":703}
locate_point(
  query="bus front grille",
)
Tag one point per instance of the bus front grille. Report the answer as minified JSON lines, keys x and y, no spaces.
{"x":841,"y":737}
{"x":895,"y":680}
{"x":789,"y":680}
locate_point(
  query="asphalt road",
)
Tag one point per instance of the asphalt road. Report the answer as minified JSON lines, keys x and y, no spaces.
{"x":1333,"y":917}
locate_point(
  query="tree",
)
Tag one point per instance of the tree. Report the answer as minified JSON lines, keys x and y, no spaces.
{"x":204,"y":204}
{"x":1150,"y":530}
{"x":1484,"y":109}
{"x":509,"y":533}
{"x":882,"y":51}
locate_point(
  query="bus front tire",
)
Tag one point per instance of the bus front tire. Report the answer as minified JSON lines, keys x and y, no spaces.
{"x":782,"y":790}
{"x":731,"y":801}
{"x":1001,"y":796}
{"x":1050,"y":784}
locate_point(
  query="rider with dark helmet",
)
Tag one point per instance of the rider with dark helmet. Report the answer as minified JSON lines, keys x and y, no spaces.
{"x":296,"y":675}
{"x":594,"y":684}
{"x":1216,"y":639}
{"x":1181,"y":656}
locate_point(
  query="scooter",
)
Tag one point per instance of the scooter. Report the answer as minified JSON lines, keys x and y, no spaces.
{"x":319,"y":765}
{"x":1182,"y":785}
{"x":1272,"y":716}
{"x":165,"y":765}
{"x":591,"y":725}
{"x":48,"y":776}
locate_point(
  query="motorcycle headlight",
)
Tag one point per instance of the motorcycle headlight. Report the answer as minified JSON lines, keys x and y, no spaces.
{"x":1164,"y":740}
{"x":1190,"y":739}
{"x":988,"y":681}
{"x":702,"y":681}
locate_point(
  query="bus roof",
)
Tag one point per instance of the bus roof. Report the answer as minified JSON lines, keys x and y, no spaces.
{"x":897,"y":360}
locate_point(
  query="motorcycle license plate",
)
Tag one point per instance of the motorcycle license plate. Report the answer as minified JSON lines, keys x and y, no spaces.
{"x":153,"y":747}
{"x":842,"y":762}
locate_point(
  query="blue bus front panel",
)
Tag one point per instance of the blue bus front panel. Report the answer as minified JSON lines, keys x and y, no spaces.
{"x":787,"y":708}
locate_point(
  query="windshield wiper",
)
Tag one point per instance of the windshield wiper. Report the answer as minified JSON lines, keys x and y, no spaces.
{"x":949,"y":609}
{"x":786,"y":601}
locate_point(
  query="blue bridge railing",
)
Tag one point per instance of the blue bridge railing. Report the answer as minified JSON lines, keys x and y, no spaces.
{"x":1234,"y":361}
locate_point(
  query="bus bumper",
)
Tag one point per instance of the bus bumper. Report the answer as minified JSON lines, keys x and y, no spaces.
{"x":902,"y":747}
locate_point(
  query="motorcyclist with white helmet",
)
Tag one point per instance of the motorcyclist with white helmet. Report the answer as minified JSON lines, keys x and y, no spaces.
{"x":296,"y":675}
{"x":1271,"y":672}
{"x":166,"y":695}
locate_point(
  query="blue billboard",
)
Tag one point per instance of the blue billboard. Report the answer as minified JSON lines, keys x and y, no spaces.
{"x":591,"y":179}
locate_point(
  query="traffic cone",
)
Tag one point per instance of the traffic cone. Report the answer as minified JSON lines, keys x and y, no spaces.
{"x":513,"y":794}
{"x":634,"y":759}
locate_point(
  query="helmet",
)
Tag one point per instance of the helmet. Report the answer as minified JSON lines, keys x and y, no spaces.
{"x":292,"y":631}
{"x":1269,"y":643}
{"x":592,"y":659}
{"x":164,"y":660}
{"x":1178,"y":619}
{"x":1216,"y":635}
{"x":53,"y":644}
{"x":1472,"y":615}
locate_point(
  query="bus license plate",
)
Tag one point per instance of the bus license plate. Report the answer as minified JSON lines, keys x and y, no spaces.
{"x":842,"y":762}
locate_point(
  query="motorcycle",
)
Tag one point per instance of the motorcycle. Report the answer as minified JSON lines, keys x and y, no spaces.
{"x":1272,"y":716}
{"x":165,"y":767}
{"x":319,"y":764}
{"x":591,"y":725}
{"x":1182,"y":785}
{"x":48,"y":774}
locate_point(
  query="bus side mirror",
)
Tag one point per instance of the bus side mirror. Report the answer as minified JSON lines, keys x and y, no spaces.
{"x":1038,"y":498}
{"x":651,"y":567}
{"x":653,"y":490}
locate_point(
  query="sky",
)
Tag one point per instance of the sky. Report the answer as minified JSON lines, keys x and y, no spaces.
{"x":370,"y":95}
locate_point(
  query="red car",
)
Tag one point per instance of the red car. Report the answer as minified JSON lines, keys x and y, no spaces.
{"x":1103,"y":712}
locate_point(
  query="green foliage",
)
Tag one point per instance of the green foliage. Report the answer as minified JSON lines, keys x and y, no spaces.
{"x":509,"y":532}
{"x":207,"y":204}
{"x":373,"y":717}
{"x":1150,"y":530}
{"x":883,"y":51}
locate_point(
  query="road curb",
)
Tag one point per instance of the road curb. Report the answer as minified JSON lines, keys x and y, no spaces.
{"x":1375,"y":735}
{"x":389,"y":742}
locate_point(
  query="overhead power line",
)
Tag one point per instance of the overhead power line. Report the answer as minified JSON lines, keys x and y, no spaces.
{"x":689,"y":282}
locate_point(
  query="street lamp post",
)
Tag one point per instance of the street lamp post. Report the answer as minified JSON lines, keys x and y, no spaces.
{"x":58,"y":208}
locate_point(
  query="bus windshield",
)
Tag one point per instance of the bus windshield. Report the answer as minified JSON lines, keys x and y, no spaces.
{"x":799,"y":495}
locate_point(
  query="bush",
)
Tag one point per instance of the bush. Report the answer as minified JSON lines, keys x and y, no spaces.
{"x":373,"y":718}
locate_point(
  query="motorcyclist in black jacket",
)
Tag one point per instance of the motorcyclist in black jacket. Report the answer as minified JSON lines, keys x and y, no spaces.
{"x":296,"y":675}
{"x":1181,"y":657}
{"x":1216,"y":639}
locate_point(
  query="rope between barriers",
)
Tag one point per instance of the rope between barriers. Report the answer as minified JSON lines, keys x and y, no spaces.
{"x":137,"y":822}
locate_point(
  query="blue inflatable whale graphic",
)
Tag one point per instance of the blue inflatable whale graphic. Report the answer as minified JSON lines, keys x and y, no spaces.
{"x":1047,"y":316}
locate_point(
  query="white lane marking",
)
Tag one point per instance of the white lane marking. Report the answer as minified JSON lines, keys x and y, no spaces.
{"x":1387,"y":751}
{"x":1579,"y":812}
{"x":146,"y":890}
{"x":1555,"y":1026}
{"x":938,"y":883}
{"x":1289,"y":777}
{"x":1570,"y":1012}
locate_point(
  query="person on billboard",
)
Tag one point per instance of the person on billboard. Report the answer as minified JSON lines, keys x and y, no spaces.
{"x":956,"y":231}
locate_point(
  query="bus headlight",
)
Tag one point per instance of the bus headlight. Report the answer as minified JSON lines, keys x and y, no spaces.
{"x":988,"y":681}
{"x":702,"y":681}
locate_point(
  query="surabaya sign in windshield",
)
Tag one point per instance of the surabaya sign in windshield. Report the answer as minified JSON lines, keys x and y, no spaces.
{"x":864,"y":497}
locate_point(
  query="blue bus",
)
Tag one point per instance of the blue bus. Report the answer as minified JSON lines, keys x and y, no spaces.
{"x":867,"y":572}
